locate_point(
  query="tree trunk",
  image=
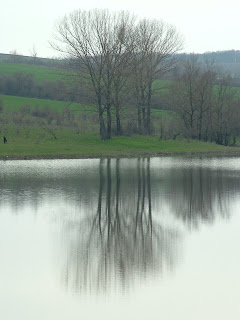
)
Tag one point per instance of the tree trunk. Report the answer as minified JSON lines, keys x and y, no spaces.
{"x":102,"y":127}
{"x":144,"y":118}
{"x":118,"y":122}
{"x":139,"y":120}
{"x":200,"y":128}
{"x":148,"y":120}
{"x":149,"y":98}
{"x":109,"y":122}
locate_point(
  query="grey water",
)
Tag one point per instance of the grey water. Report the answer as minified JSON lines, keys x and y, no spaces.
{"x":144,"y":238}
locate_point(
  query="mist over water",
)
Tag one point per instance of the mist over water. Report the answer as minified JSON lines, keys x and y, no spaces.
{"x":77,"y":235}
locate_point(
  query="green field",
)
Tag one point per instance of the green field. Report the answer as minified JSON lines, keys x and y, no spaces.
{"x":13,"y":103}
{"x":39,"y":73}
{"x":161,"y":86}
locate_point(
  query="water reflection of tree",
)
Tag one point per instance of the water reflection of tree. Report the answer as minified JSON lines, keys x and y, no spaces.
{"x":120,"y":242}
{"x":201,"y":195}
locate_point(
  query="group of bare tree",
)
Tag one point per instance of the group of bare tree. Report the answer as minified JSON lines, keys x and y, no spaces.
{"x":205,"y":103}
{"x":117,"y":57}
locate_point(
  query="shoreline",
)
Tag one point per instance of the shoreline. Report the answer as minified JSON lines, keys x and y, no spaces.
{"x":123,"y":155}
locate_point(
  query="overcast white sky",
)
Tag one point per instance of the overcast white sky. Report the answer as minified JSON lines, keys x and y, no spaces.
{"x":206,"y":25}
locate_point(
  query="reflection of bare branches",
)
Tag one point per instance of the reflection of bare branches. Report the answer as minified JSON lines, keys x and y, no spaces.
{"x":120,"y":243}
{"x":200,"y":195}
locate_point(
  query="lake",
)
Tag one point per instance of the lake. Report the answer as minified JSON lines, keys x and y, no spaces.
{"x":144,"y":238}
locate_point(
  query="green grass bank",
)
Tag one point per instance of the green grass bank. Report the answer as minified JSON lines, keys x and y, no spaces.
{"x":37,"y":144}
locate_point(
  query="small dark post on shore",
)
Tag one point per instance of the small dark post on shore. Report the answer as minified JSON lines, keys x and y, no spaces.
{"x":4,"y":139}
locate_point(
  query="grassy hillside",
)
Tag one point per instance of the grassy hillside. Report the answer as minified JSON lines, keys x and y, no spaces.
{"x":15,"y":103}
{"x":39,"y":73}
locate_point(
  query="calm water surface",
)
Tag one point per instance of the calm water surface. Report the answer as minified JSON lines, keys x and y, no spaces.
{"x":121,"y":239}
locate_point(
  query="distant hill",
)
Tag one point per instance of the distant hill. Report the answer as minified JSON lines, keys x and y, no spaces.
{"x":221,"y":57}
{"x":228,"y":62}
{"x":20,"y":59}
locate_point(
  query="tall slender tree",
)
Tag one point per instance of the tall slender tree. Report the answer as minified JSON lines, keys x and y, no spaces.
{"x":156,"y":44}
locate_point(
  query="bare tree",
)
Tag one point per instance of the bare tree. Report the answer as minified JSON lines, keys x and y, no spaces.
{"x":205,"y":93}
{"x":33,"y":53}
{"x":183,"y":95}
{"x":16,"y":57}
{"x":225,"y":112}
{"x":156,"y":44}
{"x":123,"y":68}
{"x":95,"y":41}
